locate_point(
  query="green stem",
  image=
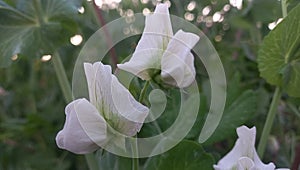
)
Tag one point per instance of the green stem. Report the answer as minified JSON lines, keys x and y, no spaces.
{"x":135,"y":159}
{"x":156,"y":125}
{"x":269,"y":122}
{"x":67,"y":93}
{"x":142,"y":95}
{"x":273,"y":108}
{"x":284,"y":8}
{"x":143,"y":92}
{"x":62,"y":77}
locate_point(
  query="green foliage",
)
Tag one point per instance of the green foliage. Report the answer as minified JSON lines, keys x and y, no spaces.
{"x":279,"y":56}
{"x":32,"y":105}
{"x":203,"y":110}
{"x":235,"y":115}
{"x":260,"y":13}
{"x":240,"y":107}
{"x":186,"y":155}
{"x":110,"y":161}
{"x":29,"y":121}
{"x":168,"y":116}
{"x":35,"y":27}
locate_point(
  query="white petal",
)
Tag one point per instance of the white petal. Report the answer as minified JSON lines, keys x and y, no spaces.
{"x":260,"y":165}
{"x":243,"y":147}
{"x":246,"y":134}
{"x":131,"y":113}
{"x":100,"y":86}
{"x":84,"y":128}
{"x":245,"y":163}
{"x":154,"y":40}
{"x":127,"y":127}
{"x":91,"y":121}
{"x":158,"y":27}
{"x":125,"y":103}
{"x":119,"y":106}
{"x":243,"y":151}
{"x":177,"y":61}
{"x":90,"y":77}
{"x":142,"y":61}
{"x":247,"y":140}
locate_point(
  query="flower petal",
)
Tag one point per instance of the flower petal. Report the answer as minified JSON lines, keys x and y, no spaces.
{"x":126,"y":104}
{"x":245,"y":163}
{"x":158,"y":29}
{"x":119,"y":107}
{"x":154,"y":40}
{"x":260,"y":165}
{"x":247,"y":138}
{"x":177,"y":61}
{"x":84,"y":129}
{"x":90,"y":77}
{"x":243,"y":147}
{"x":142,"y":61}
{"x":99,"y":83}
{"x":132,"y":113}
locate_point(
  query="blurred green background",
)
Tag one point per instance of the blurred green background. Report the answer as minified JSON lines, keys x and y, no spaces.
{"x":32,"y":104}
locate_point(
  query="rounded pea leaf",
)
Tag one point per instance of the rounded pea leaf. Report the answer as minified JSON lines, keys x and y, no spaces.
{"x":279,"y":55}
{"x":35,"y":27}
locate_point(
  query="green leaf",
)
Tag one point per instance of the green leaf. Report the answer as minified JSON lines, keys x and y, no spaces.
{"x":279,"y":55}
{"x":187,"y":155}
{"x":234,"y":89}
{"x":110,"y":161}
{"x":35,"y":27}
{"x":235,"y":115}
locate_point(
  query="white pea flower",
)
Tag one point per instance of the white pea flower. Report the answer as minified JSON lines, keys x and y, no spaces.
{"x":86,"y":126}
{"x":243,"y":156}
{"x":159,"y":49}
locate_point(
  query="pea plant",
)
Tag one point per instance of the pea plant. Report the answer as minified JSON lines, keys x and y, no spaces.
{"x":181,"y":86}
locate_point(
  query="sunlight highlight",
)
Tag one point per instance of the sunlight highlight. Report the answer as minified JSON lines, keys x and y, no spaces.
{"x":168,"y":3}
{"x":206,"y":10}
{"x":237,"y":3}
{"x":217,"y":17}
{"x":76,"y":40}
{"x":144,"y":1}
{"x":226,"y":8}
{"x":112,"y":4}
{"x":81,"y":10}
{"x":14,"y":57}
{"x":146,"y":11}
{"x":46,"y":58}
{"x":189,"y":16}
{"x":191,"y":6}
